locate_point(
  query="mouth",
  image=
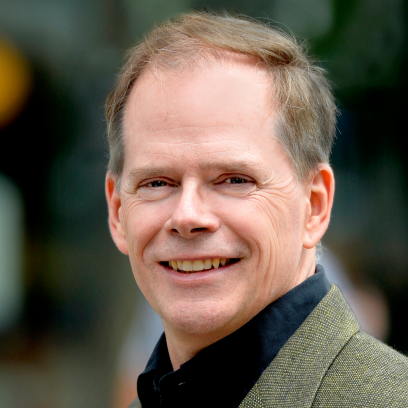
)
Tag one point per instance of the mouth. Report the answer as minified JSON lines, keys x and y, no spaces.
{"x":199,"y":265}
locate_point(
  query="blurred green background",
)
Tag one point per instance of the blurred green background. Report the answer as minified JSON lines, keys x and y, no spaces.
{"x":67,"y":296}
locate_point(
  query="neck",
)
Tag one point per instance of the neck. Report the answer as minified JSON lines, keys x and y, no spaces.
{"x":184,"y":346}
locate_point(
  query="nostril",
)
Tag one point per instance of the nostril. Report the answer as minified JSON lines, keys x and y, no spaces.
{"x":197,"y":229}
{"x":188,"y":231}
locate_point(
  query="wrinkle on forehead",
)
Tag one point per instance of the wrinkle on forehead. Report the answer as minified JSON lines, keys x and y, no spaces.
{"x":170,"y":88}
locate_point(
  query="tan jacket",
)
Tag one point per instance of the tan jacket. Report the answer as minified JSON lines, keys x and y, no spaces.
{"x":329,"y":362}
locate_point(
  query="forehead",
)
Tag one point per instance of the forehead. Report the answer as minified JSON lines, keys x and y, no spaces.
{"x":236,"y":87}
{"x":224,"y":109}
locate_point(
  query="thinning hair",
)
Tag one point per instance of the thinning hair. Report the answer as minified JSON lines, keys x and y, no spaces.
{"x":306,"y":108}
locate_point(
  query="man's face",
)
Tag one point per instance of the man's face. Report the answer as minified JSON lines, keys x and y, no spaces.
{"x":204,"y":179}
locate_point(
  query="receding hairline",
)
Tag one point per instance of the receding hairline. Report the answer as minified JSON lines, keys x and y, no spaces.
{"x":198,"y":55}
{"x":225,"y":60}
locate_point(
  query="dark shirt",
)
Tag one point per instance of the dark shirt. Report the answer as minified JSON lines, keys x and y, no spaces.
{"x":222,"y":374}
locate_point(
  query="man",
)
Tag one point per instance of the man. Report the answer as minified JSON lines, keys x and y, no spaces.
{"x":219,"y":190}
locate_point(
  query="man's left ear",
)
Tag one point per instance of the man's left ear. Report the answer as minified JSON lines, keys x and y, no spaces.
{"x":319,"y":205}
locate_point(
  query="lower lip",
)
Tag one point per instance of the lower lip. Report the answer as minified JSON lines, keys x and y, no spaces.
{"x":201,"y":276}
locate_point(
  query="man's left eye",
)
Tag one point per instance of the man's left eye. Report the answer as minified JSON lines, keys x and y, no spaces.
{"x":236,"y":180}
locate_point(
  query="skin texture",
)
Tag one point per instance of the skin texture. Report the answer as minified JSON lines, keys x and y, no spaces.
{"x":204,"y":177}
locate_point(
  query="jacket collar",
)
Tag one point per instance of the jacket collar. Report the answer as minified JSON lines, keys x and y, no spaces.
{"x":297,"y":371}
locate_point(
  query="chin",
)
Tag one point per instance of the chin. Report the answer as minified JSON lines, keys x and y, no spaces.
{"x":201,"y":319}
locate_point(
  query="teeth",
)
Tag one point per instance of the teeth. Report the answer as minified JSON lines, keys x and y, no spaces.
{"x":215,"y":263}
{"x":198,"y":265}
{"x":207,"y":264}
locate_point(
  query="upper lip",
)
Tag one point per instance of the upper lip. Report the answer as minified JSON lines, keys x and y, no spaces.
{"x":199,"y":257}
{"x":197,"y":265}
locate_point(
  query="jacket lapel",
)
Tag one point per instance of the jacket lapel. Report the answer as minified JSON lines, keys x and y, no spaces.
{"x":294,"y":376}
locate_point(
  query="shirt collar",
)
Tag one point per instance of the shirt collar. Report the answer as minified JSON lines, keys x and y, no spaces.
{"x":229,"y":368}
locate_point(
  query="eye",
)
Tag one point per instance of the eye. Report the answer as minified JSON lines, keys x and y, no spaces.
{"x":156,"y":183}
{"x":156,"y":189}
{"x":236,"y":185}
{"x":227,"y":179}
{"x":236,"y":180}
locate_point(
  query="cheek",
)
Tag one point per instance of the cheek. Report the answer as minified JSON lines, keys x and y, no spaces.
{"x":252,"y":220}
{"x":282,"y":211}
{"x":143,"y":221}
{"x":269,"y":223}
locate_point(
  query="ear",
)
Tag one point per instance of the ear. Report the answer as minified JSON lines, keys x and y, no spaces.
{"x":115,"y":214}
{"x":320,"y":202}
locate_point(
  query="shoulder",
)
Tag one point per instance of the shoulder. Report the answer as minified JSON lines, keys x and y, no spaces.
{"x":330,"y":362}
{"x":366,"y":372}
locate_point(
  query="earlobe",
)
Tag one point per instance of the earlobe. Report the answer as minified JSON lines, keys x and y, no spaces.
{"x":321,"y":193}
{"x":115,"y":214}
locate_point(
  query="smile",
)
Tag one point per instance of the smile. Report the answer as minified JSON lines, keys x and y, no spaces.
{"x":199,"y":264}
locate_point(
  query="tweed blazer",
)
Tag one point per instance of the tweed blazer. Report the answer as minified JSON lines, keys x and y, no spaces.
{"x":329,"y":362}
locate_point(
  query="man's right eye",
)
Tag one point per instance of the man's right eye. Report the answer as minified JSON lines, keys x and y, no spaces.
{"x":157,"y":189}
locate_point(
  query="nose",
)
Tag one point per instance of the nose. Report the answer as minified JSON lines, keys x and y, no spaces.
{"x":193,"y":214}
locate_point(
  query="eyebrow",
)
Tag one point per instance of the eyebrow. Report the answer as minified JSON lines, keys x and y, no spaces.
{"x":147,"y":172}
{"x":232,"y":166}
{"x":152,"y":171}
